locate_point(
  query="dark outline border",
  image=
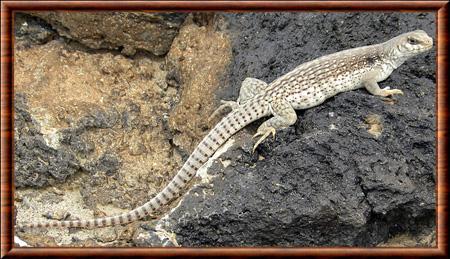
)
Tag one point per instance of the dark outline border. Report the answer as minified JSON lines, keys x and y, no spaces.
{"x":7,"y":9}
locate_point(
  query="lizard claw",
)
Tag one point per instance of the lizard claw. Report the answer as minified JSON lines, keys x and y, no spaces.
{"x":396,"y":91}
{"x":388,"y":91}
{"x":264,"y":134}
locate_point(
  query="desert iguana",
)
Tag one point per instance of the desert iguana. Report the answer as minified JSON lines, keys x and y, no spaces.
{"x":308,"y":85}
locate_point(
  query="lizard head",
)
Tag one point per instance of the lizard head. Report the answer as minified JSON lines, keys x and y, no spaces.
{"x":409,"y":44}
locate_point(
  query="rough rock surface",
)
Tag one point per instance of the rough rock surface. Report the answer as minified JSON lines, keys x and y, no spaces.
{"x":328,"y":180}
{"x":29,"y":30}
{"x":357,"y":170}
{"x":37,"y":163}
{"x":94,"y":124}
{"x":125,"y":31}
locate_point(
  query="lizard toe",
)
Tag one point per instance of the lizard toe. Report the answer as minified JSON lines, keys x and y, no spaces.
{"x":264,"y":135}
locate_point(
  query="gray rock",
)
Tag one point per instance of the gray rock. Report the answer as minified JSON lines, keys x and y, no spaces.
{"x":124,"y":31}
{"x":30,"y":30}
{"x":36,"y":163}
{"x":322,"y":185}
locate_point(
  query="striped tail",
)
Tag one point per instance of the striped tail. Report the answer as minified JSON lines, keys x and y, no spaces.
{"x":227,"y":127}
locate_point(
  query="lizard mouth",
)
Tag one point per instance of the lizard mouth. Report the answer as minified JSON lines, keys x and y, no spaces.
{"x":425,"y":48}
{"x":428,"y":43}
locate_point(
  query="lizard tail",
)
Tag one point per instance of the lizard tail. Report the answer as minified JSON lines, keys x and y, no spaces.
{"x":228,"y":126}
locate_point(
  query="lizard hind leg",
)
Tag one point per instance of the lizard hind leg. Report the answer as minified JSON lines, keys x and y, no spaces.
{"x":283,"y":116}
{"x":250,"y":87}
{"x":224,"y":105}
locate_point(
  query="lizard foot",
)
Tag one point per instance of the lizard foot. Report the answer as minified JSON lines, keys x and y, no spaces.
{"x":225,"y":104}
{"x":387,"y":91}
{"x":265,"y":134}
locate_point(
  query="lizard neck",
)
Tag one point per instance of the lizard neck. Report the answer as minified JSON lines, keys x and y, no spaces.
{"x":392,"y":54}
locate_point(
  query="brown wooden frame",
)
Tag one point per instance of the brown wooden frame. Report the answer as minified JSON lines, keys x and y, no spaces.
{"x":7,"y":188}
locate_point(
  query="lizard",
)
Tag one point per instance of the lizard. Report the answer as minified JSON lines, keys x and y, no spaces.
{"x":306,"y":86}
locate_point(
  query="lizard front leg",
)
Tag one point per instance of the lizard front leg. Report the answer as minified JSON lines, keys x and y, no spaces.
{"x":284,"y":116}
{"x":370,"y":83}
{"x":250,"y":87}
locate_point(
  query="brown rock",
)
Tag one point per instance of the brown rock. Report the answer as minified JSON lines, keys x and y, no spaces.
{"x":124,"y":31}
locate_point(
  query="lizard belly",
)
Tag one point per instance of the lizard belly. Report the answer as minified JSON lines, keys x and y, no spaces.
{"x":314,"y":96}
{"x":306,"y":99}
{"x":347,"y":82}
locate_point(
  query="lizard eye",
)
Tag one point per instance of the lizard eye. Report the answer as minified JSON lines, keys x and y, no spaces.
{"x":413,"y":41}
